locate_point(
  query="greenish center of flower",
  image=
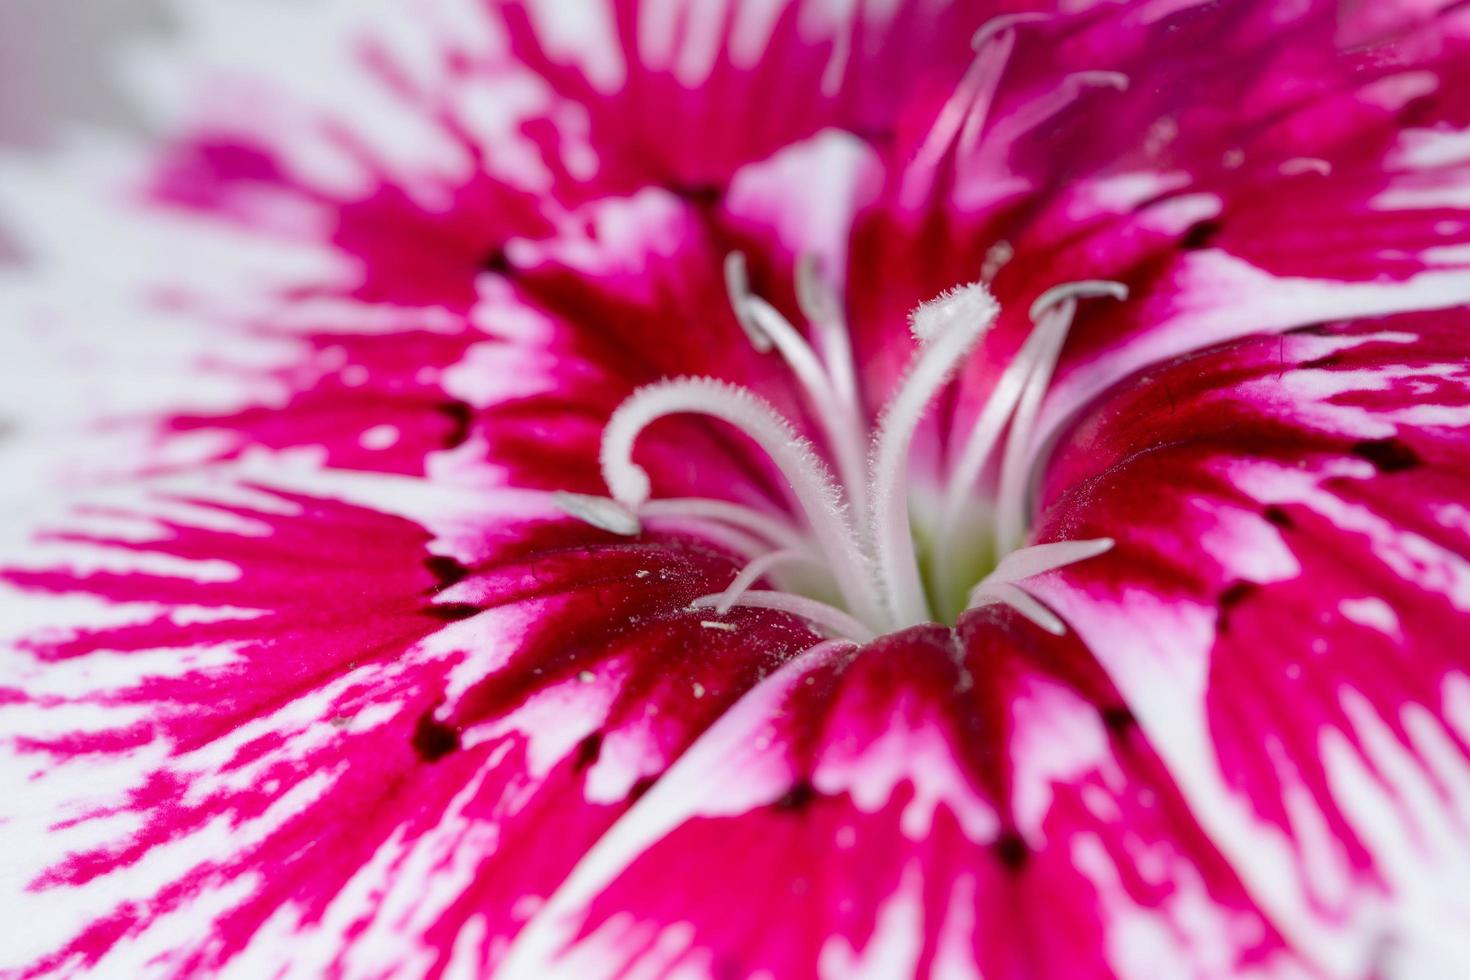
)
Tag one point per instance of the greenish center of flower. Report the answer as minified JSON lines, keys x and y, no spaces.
{"x":853,"y":565}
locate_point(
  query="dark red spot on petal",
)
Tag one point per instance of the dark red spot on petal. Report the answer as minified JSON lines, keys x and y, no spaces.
{"x":1201,"y":234}
{"x":1234,"y":594}
{"x":1011,"y":851}
{"x":797,"y":798}
{"x":497,"y":262}
{"x":451,"y":612}
{"x":1313,"y":330}
{"x":461,"y":417}
{"x":432,"y":739}
{"x":445,"y":570}
{"x":700,"y":195}
{"x":588,"y":751}
{"x":1387,"y":455}
{"x":1278,"y":516}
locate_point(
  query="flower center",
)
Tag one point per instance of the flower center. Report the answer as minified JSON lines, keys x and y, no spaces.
{"x":856,"y":564}
{"x":851,"y":565}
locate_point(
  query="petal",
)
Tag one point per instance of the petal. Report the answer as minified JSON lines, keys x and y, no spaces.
{"x":267,"y":728}
{"x":1281,"y":612}
{"x":1222,"y":223}
{"x":687,"y":92}
{"x":911,"y":809}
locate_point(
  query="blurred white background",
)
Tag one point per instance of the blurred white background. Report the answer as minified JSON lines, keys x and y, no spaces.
{"x":55,"y":63}
{"x":56,"y":68}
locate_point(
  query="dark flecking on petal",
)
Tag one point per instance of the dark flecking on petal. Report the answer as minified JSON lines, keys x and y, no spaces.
{"x":797,"y":488}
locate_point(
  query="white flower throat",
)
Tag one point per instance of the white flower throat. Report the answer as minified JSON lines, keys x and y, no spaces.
{"x":853,"y":549}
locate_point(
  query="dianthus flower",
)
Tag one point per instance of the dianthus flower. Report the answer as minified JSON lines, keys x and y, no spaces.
{"x":722,"y":489}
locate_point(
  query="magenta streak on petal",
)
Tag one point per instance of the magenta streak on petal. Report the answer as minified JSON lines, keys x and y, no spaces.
{"x":375,"y":403}
{"x":693,"y":131}
{"x":903,"y":811}
{"x":1310,"y":523}
{"x":330,"y":705}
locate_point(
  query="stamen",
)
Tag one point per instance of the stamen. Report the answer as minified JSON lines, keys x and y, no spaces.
{"x":875,"y":573}
{"x":1000,"y":585}
{"x":773,"y":529}
{"x":955,"y":308}
{"x":840,"y":424}
{"x":1019,"y":600}
{"x":829,"y":618}
{"x":979,"y":446}
{"x":1038,"y":558}
{"x":730,"y":523}
{"x":600,"y":512}
{"x":996,"y":258}
{"x":838,"y":418}
{"x":823,"y":310}
{"x":817,"y":496}
{"x":747,"y":546}
{"x":1010,"y":501}
{"x":950,"y":325}
{"x":964,"y":115}
{"x":1305,"y":165}
{"x":1079,"y":289}
{"x":1003,"y":22}
{"x":755,"y":569}
{"x":997,"y":35}
{"x":737,"y":286}
{"x":1028,"y":117}
{"x":1055,"y":308}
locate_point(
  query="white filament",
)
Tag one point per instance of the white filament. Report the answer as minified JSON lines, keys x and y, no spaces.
{"x":839,"y":421}
{"x":1054,"y":310}
{"x":818,"y":497}
{"x":737,"y":285}
{"x":820,"y":306}
{"x":1080,"y":289}
{"x":950,"y":326}
{"x":979,"y":447}
{"x":1028,"y":117}
{"x":772,"y":529}
{"x":1000,"y":585}
{"x":947,"y":328}
{"x":1026,"y":562}
{"x":826,"y":617}
{"x":1019,"y":600}
{"x":755,"y":569}
{"x":963,"y":115}
{"x":1003,"y":22}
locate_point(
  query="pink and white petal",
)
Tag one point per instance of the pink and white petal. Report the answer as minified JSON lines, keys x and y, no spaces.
{"x":687,"y":92}
{"x":1281,"y":613}
{"x":630,"y":290}
{"x":926,"y":806}
{"x":1222,"y":223}
{"x":262,"y":727}
{"x":243,"y":339}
